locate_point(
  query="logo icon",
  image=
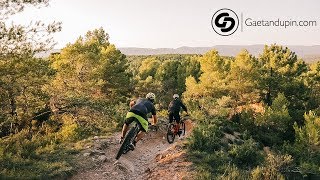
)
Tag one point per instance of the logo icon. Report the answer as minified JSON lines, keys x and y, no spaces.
{"x":225,"y":22}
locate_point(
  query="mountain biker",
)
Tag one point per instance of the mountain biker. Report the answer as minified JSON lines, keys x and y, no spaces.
{"x":174,"y":110}
{"x":138,"y":113}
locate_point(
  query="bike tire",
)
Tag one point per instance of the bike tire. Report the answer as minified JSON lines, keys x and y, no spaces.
{"x":127,"y":140}
{"x":170,"y":134}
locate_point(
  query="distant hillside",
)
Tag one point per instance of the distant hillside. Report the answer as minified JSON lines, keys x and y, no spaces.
{"x":226,"y":50}
{"x":47,"y":53}
{"x":308,"y":53}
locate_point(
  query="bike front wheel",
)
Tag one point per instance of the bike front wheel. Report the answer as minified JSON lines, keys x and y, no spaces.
{"x":127,"y":140}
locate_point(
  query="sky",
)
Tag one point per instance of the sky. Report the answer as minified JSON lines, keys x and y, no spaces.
{"x":176,"y":23}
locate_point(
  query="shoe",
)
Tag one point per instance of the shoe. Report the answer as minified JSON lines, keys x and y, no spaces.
{"x":121,"y":140}
{"x":153,"y":128}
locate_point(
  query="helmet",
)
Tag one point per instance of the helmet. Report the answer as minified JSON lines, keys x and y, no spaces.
{"x":175,"y":96}
{"x":151,"y":96}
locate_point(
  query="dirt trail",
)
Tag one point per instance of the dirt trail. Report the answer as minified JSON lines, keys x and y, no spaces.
{"x":153,"y":158}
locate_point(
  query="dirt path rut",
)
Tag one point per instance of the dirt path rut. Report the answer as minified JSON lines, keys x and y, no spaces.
{"x":153,"y":158}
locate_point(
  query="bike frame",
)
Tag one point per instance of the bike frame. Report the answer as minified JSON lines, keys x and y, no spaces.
{"x":171,"y":134}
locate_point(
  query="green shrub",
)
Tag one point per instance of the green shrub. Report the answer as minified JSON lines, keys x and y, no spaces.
{"x":68,"y":129}
{"x":246,"y":123}
{"x":35,"y":156}
{"x":272,"y":168}
{"x":232,"y":172}
{"x":212,"y":163}
{"x":305,"y":149}
{"x":275,"y":124}
{"x":309,"y":134}
{"x":246,"y":154}
{"x":262,"y":173}
{"x":211,"y":155}
{"x":206,"y":137}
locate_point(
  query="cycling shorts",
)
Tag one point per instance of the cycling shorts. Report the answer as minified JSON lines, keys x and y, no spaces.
{"x":143,"y":123}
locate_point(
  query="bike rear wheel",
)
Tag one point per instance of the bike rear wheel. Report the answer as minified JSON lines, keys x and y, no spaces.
{"x":183,"y":128}
{"x":170,"y":133}
{"x":127,"y":140}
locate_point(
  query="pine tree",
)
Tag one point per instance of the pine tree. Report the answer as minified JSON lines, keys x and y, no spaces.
{"x":22,"y":75}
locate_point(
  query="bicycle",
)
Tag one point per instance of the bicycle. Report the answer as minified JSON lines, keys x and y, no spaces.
{"x":130,"y":137}
{"x":173,"y":130}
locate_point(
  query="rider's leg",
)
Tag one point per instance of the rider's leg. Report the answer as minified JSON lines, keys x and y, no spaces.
{"x":125,"y":127}
{"x":140,"y":136}
{"x":177,"y":118}
{"x":170,"y":117}
{"x":124,"y":130}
